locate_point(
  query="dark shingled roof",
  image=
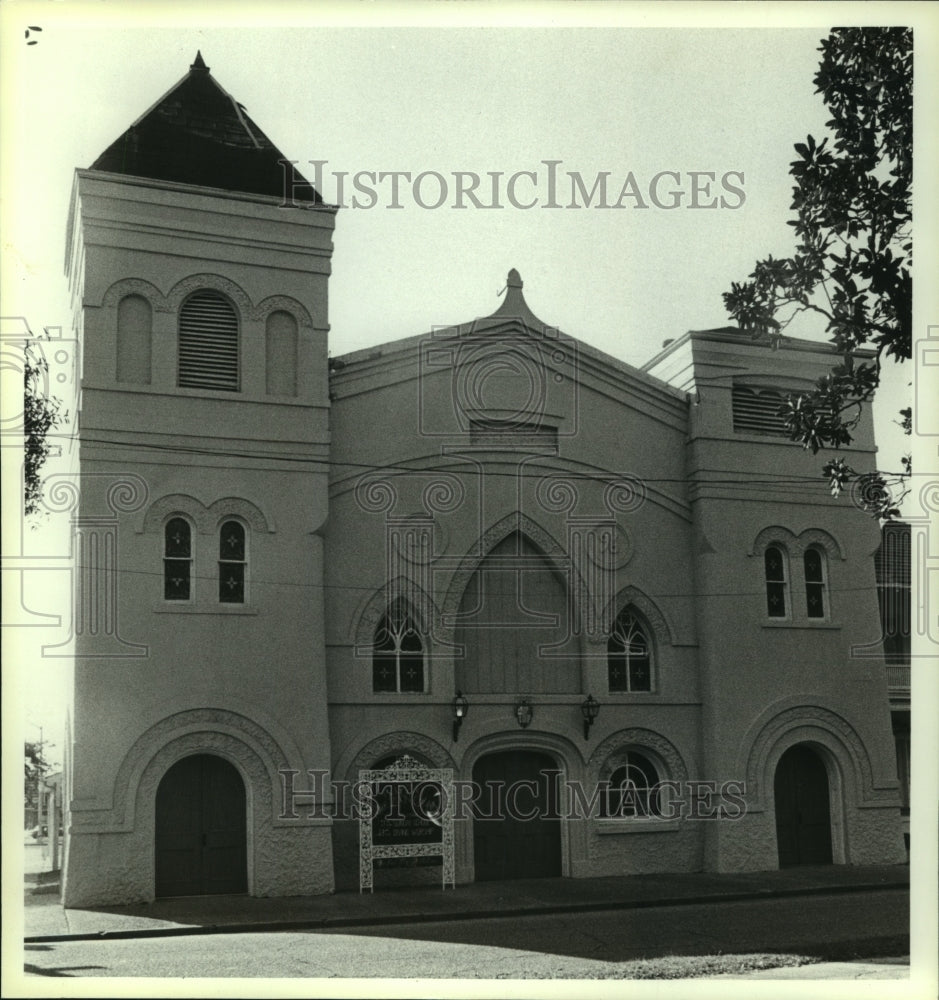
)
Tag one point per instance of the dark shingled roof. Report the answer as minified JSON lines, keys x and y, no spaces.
{"x":199,"y":134}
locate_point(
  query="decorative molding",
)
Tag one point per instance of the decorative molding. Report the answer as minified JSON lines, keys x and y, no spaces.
{"x":524,"y":525}
{"x":238,"y":507}
{"x":398,"y":744}
{"x":568,"y":755}
{"x":239,"y":738}
{"x":609,"y":754}
{"x":648,"y":612}
{"x":173,"y":503}
{"x":135,"y":286}
{"x":212,"y":282}
{"x":401,"y":588}
{"x":796,"y":544}
{"x":206,"y":519}
{"x":777,"y":730}
{"x":282,"y":303}
{"x":816,"y":536}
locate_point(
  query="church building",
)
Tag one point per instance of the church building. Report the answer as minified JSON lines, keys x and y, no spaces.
{"x":491,"y":548}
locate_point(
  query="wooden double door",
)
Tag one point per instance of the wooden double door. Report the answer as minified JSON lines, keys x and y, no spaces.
{"x":201,"y":829}
{"x":803,"y":810}
{"x":516,"y":834}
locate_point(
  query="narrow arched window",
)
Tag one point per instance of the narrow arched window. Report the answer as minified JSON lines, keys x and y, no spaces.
{"x":633,"y":791}
{"x":208,"y":343}
{"x":281,"y":352}
{"x":134,"y":335}
{"x":177,"y":560}
{"x":816,"y":584}
{"x":777,"y":582}
{"x":629,"y":656}
{"x":398,"y":653}
{"x":232,"y":562}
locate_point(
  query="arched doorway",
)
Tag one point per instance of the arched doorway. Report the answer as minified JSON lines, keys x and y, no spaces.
{"x":516,"y":826}
{"x":201,"y":829}
{"x":803,"y":812}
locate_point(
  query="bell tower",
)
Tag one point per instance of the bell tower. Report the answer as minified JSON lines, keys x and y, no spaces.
{"x":200,"y":296}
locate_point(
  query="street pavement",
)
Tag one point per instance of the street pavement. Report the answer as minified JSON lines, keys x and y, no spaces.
{"x":532,"y":928}
{"x":45,"y":919}
{"x":592,"y":945}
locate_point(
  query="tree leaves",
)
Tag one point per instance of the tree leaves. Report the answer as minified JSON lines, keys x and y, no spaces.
{"x":852,"y":263}
{"x":41,"y":415}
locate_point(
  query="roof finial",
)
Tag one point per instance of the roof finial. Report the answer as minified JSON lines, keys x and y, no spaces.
{"x":514,"y":279}
{"x":199,"y":64}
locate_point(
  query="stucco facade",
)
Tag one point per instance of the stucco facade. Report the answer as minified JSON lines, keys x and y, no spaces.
{"x":484,"y":511}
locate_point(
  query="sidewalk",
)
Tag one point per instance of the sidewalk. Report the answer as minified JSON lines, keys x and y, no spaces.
{"x":46,"y":920}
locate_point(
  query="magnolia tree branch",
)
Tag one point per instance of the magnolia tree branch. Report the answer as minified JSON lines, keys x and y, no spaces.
{"x":852,"y":194}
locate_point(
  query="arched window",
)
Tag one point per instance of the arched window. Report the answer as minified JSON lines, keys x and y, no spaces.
{"x":777,"y":582}
{"x":629,"y":656}
{"x":398,"y":653}
{"x":281,"y":351}
{"x":177,"y":560}
{"x":816,"y":583}
{"x":633,"y":791}
{"x":134,"y":331}
{"x":208,"y":343}
{"x":232,"y":562}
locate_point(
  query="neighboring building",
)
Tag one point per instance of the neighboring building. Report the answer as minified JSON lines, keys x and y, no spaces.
{"x":297,"y":563}
{"x":893,"y":564}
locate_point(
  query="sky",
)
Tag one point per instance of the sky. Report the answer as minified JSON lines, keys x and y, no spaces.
{"x":729,"y":96}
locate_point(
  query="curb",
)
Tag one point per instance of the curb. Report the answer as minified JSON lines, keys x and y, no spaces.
{"x":451,"y":916}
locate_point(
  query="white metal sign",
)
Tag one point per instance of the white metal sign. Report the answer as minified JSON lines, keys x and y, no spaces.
{"x":405,"y":811}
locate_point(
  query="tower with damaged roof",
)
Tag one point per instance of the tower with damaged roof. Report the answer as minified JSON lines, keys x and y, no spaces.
{"x":201,"y":301}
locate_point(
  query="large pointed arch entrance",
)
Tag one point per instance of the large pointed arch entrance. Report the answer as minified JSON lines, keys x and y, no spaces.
{"x":516,"y":827}
{"x":201,"y":829}
{"x":803,"y":808}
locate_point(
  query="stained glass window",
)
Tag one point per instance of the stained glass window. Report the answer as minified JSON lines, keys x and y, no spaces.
{"x":629,"y":658}
{"x":398,"y":653}
{"x":633,"y":792}
{"x":814,"y":583}
{"x":177,"y":560}
{"x":776,"y":597}
{"x":232,"y":563}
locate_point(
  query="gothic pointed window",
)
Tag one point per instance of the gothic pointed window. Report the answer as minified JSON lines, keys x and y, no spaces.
{"x":633,"y":792}
{"x":177,"y":560}
{"x":816,"y":584}
{"x":777,"y":597}
{"x":398,"y":653}
{"x":208,"y":343}
{"x":232,"y":563}
{"x":629,"y":655}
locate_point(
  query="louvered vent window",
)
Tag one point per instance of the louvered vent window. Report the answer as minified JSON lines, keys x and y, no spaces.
{"x":756,"y":410}
{"x":208,"y":343}
{"x":512,"y":433}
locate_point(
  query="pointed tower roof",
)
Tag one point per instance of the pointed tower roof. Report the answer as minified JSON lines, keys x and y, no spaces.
{"x":512,"y":307}
{"x":197,"y":133}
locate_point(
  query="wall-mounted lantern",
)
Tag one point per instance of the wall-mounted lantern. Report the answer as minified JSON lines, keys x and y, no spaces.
{"x":524,"y":713}
{"x":460,"y":708}
{"x":590,"y":709}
